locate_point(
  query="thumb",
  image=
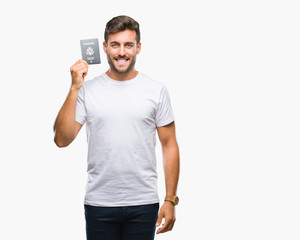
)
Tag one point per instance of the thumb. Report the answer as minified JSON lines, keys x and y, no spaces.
{"x":159,"y":219}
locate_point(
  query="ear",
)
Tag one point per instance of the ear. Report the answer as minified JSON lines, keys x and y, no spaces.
{"x":139,"y":46}
{"x":104,"y":46}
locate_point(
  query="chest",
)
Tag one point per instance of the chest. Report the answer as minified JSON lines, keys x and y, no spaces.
{"x":121,"y":106}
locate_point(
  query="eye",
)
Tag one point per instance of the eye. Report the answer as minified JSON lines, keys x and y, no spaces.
{"x":129,"y":45}
{"x":114,"y":45}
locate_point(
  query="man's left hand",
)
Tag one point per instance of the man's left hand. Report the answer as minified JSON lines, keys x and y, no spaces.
{"x":167,"y":211}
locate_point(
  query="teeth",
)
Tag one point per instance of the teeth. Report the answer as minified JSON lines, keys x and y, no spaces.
{"x":121,"y":61}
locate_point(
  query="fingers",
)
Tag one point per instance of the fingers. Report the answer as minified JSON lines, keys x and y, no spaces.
{"x":167,"y":226}
{"x":79,"y":65}
{"x":78,"y":71}
{"x":159,"y":220}
{"x":82,"y":61}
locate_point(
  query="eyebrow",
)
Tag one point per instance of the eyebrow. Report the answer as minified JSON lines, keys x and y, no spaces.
{"x":115,"y":42}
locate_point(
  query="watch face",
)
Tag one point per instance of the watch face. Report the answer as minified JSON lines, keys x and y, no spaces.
{"x":176,"y":200}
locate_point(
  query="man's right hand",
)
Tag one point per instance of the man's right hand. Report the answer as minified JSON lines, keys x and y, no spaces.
{"x":78,"y":71}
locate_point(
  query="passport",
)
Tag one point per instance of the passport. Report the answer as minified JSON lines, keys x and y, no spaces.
{"x":90,"y":51}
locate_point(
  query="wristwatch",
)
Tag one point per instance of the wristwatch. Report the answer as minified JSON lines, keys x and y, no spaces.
{"x":173,"y":199}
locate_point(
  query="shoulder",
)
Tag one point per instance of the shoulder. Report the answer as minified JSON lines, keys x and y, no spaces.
{"x":151,"y":83}
{"x":89,"y":84}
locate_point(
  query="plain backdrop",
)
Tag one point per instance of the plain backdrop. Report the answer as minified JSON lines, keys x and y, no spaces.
{"x":232,"y":72}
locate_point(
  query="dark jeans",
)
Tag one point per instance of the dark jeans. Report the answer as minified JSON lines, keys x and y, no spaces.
{"x":121,"y":223}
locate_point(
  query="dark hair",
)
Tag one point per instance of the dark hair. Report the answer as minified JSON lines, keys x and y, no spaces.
{"x":122,"y":23}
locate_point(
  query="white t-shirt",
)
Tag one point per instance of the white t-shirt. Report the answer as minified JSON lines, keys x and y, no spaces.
{"x":121,"y":119}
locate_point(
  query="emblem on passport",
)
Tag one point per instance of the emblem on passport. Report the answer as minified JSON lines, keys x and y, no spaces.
{"x":90,"y":51}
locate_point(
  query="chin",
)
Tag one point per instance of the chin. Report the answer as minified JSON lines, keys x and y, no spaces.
{"x":124,"y":70}
{"x":121,"y":70}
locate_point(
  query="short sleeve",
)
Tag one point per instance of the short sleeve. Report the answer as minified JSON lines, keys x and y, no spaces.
{"x":164,"y":114}
{"x":80,"y":107}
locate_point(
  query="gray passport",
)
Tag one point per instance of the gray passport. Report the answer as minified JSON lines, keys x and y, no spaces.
{"x":90,"y":51}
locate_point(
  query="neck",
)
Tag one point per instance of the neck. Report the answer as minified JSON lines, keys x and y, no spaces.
{"x":122,"y":76}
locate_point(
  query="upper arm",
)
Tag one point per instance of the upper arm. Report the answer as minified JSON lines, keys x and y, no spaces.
{"x":167,"y":135}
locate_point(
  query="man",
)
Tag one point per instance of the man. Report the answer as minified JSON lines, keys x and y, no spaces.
{"x":122,"y":109}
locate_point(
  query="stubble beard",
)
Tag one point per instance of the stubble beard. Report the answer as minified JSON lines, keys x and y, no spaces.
{"x":113,"y":67}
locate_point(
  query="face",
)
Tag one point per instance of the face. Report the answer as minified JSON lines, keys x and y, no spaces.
{"x":121,"y":50}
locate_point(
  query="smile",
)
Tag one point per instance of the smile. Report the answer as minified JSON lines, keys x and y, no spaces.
{"x":121,"y":61}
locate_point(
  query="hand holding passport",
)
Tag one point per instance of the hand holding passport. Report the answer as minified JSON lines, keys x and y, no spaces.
{"x":90,"y":51}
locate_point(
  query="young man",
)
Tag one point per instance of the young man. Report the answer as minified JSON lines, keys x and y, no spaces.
{"x":122,"y":110}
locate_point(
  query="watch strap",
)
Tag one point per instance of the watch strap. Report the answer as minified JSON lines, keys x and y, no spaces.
{"x":173,"y":199}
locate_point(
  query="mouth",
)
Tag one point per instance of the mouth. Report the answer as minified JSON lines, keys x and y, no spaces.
{"x":121,"y":62}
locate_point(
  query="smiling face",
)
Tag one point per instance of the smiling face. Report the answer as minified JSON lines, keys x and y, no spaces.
{"x":121,"y":49}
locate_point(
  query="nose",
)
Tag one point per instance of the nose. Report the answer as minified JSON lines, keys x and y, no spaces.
{"x":121,"y":50}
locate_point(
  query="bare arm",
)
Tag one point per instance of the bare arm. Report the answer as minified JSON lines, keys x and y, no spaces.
{"x":65,"y":127}
{"x":171,"y":169}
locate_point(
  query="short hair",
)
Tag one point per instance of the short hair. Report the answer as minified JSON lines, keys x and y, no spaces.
{"x":122,"y":23}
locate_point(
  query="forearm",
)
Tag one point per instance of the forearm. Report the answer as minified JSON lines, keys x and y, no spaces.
{"x":64,"y":125}
{"x":171,"y":168}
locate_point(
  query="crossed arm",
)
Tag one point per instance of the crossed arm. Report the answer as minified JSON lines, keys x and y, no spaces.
{"x":170,"y":151}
